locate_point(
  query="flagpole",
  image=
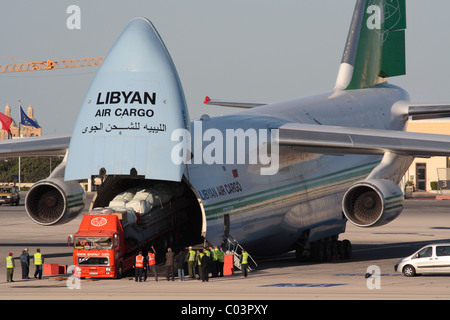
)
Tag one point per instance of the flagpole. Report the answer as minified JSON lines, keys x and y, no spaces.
{"x":19,"y":121}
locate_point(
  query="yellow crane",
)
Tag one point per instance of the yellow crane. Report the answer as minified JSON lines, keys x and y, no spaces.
{"x":49,"y":64}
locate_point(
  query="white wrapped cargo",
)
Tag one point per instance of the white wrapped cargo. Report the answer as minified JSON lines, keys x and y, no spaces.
{"x":145,"y":200}
{"x":101,"y":210}
{"x":119,"y":202}
{"x":142,"y":202}
{"x":127,"y":217}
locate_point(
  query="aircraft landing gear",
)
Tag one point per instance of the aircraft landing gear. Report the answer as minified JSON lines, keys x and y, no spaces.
{"x":325,"y":250}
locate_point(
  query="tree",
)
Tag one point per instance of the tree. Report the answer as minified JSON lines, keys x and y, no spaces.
{"x":32,"y":169}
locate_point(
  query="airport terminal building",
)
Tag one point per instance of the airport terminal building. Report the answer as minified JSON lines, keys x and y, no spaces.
{"x":433,"y":173}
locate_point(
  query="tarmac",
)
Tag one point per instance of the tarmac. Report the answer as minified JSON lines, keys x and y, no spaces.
{"x":375,"y":251}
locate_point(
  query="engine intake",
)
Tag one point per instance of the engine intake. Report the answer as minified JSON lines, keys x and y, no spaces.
{"x":54,"y":201}
{"x":372,"y":202}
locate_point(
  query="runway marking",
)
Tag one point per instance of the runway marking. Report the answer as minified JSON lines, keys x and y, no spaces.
{"x":362,"y":275}
{"x":309,"y":285}
{"x":406,"y":233}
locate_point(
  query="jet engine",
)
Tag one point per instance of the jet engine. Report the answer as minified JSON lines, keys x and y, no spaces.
{"x":372,"y":202}
{"x":54,"y":201}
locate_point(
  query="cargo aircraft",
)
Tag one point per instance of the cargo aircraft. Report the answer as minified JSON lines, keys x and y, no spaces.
{"x":276,"y":177}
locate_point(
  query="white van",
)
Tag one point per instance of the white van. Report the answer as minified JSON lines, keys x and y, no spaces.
{"x":433,"y":258}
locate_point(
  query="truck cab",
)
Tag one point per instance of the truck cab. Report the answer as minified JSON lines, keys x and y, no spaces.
{"x":99,"y":247}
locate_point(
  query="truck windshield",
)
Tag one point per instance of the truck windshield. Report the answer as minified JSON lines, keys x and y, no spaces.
{"x":93,"y":243}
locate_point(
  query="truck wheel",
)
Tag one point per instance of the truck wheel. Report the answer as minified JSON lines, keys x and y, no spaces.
{"x":119,"y":271}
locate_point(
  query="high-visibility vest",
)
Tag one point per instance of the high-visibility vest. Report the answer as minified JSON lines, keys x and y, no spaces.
{"x":9,"y":262}
{"x":221,"y":256}
{"x":139,"y":261}
{"x":199,"y":258}
{"x":215,"y":254}
{"x":191,"y":255}
{"x":151,"y":259}
{"x":37,"y":259}
{"x":244,"y":258}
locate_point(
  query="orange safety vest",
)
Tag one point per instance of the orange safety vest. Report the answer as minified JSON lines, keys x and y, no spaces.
{"x":139,"y":261}
{"x":151,"y":259}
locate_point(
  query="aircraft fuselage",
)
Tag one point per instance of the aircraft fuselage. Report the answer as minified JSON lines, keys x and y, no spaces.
{"x":268,"y":213}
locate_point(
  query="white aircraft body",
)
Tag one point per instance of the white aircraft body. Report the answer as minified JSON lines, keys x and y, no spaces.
{"x":275,"y":177}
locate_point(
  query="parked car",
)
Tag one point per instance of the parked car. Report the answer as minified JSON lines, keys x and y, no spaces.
{"x":9,"y":194}
{"x":433,"y":258}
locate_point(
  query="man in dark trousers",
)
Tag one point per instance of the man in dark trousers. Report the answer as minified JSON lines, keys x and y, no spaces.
{"x":205,"y":260}
{"x":24,"y":264}
{"x":139,"y":267}
{"x":169,"y":264}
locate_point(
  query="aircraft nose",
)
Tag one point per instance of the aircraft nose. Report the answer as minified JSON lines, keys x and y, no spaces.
{"x":133,"y":105}
{"x":139,"y":48}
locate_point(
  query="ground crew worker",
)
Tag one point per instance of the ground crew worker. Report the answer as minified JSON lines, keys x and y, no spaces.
{"x":169,"y":264}
{"x":38,"y":261}
{"x":9,"y":267}
{"x":221,"y":260}
{"x":151,"y":264}
{"x":244,"y":263}
{"x":191,"y":263}
{"x":138,"y":267}
{"x":24,"y":263}
{"x":214,"y":261}
{"x":205,"y":262}
{"x":198,"y":259}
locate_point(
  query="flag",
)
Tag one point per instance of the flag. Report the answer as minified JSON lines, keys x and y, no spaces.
{"x":6,"y":122}
{"x":26,"y":121}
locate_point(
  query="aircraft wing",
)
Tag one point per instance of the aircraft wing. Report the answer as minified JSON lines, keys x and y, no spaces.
{"x":233,"y":104}
{"x":45,"y":146}
{"x":347,"y":140}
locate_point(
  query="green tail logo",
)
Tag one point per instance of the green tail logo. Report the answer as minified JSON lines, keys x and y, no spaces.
{"x":375,"y":48}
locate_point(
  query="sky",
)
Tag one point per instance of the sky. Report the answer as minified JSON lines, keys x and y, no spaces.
{"x":240,"y":50}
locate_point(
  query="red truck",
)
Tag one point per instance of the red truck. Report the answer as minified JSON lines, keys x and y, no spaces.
{"x":107,"y":241}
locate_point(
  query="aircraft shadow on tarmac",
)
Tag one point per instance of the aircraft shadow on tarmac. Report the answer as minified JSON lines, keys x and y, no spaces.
{"x":361,"y":253}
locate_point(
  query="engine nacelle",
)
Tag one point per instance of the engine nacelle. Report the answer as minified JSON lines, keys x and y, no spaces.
{"x":54,"y":201}
{"x":372,"y":202}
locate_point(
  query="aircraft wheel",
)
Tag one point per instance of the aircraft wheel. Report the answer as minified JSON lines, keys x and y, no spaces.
{"x":317,"y":251}
{"x":328,"y":250}
{"x":346,"y":249}
{"x":300,"y":254}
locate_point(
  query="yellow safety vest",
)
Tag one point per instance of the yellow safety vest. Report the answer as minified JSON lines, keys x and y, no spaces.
{"x":37,"y":259}
{"x":191,"y":255}
{"x":221,"y":256}
{"x":215,"y":254}
{"x":199,"y":258}
{"x":244,"y":258}
{"x":9,"y":262}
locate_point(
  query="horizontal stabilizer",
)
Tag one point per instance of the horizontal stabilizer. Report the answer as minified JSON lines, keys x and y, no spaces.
{"x":234,"y":104}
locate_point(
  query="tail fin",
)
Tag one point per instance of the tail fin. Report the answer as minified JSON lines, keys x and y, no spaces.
{"x":375,"y":48}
